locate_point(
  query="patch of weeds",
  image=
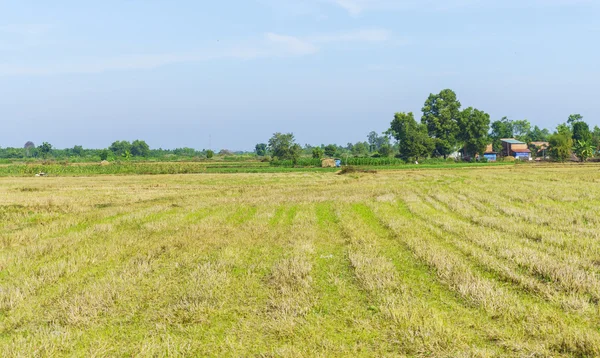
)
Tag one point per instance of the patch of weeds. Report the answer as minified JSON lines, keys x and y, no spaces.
{"x":352,"y":170}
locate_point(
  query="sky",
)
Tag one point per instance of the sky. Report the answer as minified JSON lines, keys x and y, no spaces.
{"x":227,"y":74}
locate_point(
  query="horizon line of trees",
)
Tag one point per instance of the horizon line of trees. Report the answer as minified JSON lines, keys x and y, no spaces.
{"x":118,"y":150}
{"x":445,"y":129}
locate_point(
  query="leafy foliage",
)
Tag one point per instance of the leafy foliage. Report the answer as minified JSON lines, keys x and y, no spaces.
{"x":560,"y":146}
{"x":441,"y":114}
{"x":414,"y":143}
{"x":104,"y":154}
{"x":473,"y":128}
{"x":140,"y":148}
{"x":581,"y":132}
{"x":45,"y":149}
{"x":283,"y":146}
{"x":261,"y":149}
{"x":330,"y":150}
{"x":317,"y":153}
{"x":584,"y":150}
{"x":120,"y":147}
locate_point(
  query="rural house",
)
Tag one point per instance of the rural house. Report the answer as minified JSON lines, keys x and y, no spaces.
{"x":514,"y":148}
{"x":489,"y":153}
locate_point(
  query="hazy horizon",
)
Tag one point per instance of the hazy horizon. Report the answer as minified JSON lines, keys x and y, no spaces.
{"x":330,"y":71}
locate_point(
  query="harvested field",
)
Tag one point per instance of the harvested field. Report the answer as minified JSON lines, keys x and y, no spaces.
{"x":486,"y":262}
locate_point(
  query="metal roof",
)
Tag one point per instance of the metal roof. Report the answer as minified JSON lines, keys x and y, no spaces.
{"x":512,"y":141}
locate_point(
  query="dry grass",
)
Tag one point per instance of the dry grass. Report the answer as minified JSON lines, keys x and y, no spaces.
{"x":488,"y":262}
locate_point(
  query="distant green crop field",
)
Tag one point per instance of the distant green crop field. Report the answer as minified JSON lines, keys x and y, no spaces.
{"x":155,"y":168}
{"x":479,"y":262}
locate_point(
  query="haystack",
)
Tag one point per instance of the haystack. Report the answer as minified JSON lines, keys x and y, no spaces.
{"x":104,"y":163}
{"x":327,"y":163}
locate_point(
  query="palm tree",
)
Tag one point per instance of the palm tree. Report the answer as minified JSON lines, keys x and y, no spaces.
{"x":584,"y":150}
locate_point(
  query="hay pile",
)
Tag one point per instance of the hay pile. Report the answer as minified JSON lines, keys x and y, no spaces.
{"x":104,"y":163}
{"x":327,"y":163}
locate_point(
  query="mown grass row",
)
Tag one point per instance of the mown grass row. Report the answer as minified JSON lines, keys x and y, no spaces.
{"x":405,"y":263}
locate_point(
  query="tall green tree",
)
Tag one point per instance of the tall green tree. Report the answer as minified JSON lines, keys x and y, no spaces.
{"x":78,"y":150}
{"x":140,"y":148}
{"x":574,"y":118}
{"x":330,"y":150}
{"x":501,"y":129}
{"x":565,"y":129}
{"x":581,"y":132}
{"x":413,"y":139}
{"x":45,"y":149}
{"x":284,"y":146}
{"x":120,"y":147}
{"x":539,"y":135}
{"x":317,"y":152}
{"x":261,"y":149}
{"x":360,"y":149}
{"x":561,"y":145}
{"x":441,"y":113}
{"x":521,"y":130}
{"x":376,"y":141}
{"x":474,"y":126}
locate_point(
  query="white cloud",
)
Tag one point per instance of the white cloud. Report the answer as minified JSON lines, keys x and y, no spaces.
{"x":357,"y":7}
{"x":271,"y":45}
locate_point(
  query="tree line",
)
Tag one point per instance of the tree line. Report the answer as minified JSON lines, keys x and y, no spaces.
{"x":118,"y":150}
{"x":446,"y":129}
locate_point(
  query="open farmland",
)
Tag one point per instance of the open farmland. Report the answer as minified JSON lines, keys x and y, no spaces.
{"x":497,"y":261}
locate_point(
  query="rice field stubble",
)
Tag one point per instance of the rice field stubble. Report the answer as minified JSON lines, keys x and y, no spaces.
{"x":467,"y":262}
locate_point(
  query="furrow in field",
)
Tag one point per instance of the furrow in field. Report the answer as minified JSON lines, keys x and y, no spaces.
{"x":489,"y":253}
{"x":419,"y":316}
{"x":570,"y":272}
{"x":533,"y":321}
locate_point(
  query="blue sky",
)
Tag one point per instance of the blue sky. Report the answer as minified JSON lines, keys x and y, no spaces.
{"x":176,"y":72}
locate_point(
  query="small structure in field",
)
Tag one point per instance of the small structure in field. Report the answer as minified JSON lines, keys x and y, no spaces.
{"x":490,"y":154}
{"x":40,"y":174}
{"x":515,"y":148}
{"x":104,"y":163}
{"x":331,"y":163}
{"x":327,"y":163}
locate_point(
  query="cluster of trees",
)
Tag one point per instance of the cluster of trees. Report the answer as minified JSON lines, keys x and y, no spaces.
{"x":445,"y":129}
{"x":121,"y":150}
{"x":574,"y":137}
